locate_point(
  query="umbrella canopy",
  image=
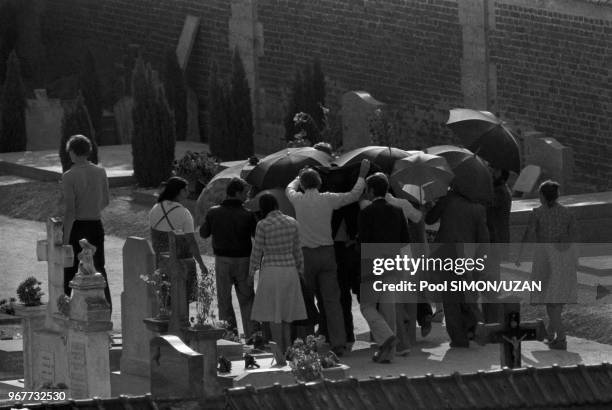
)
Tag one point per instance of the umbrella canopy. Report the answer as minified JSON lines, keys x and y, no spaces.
{"x":472,"y":175}
{"x":383,"y":157}
{"x":421,"y":177}
{"x":485,"y":134}
{"x":283,"y":203}
{"x":214,"y":192}
{"x":278,"y":169}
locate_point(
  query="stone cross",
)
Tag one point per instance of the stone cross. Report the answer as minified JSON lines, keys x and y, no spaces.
{"x":510,"y":334}
{"x":58,"y":256}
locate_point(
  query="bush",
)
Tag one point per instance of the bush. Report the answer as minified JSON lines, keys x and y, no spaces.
{"x":7,"y":306}
{"x":176,"y":93}
{"x":77,"y":121}
{"x":241,"y":113}
{"x":29,"y":292}
{"x":153,"y":140}
{"x":13,"y":104}
{"x":197,"y":168}
{"x":89,"y":84}
{"x":230,"y":116}
{"x":307,"y":96}
{"x":218,"y":118}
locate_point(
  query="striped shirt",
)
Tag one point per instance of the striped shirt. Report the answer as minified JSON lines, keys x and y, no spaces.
{"x":277,"y":242}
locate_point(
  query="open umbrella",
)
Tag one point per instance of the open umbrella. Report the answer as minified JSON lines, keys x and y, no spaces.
{"x":486,"y":135}
{"x":384,"y":157}
{"x":214,"y":192}
{"x":278,"y":169}
{"x":421,"y":177}
{"x":283,"y":202}
{"x":472,"y":176}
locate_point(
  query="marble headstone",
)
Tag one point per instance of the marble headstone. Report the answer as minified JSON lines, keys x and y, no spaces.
{"x":358,"y":108}
{"x":555,"y":159}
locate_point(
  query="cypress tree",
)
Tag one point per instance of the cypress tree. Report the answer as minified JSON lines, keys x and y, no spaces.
{"x":13,"y":104}
{"x":176,"y":93}
{"x":153,"y":141}
{"x":89,"y":83}
{"x":218,"y":115}
{"x":241,"y":125}
{"x":77,"y":121}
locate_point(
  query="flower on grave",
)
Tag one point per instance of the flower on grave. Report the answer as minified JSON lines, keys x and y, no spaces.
{"x":196,"y":167}
{"x":63,"y":305}
{"x":160,"y":283}
{"x":305,"y":361}
{"x":29,"y":292}
{"x":205,"y":295}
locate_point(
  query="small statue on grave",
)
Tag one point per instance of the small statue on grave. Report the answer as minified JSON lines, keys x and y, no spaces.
{"x":225,"y":366}
{"x":250,"y":362}
{"x":86,"y":265}
{"x":516,"y":349}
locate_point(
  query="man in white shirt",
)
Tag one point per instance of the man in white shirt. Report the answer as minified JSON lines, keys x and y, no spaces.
{"x":313,"y":210}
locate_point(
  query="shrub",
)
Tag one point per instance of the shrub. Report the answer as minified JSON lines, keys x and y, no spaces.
{"x":197,"y":168}
{"x":7,"y":306}
{"x":77,"y":121}
{"x":89,"y":84}
{"x":307,"y":96}
{"x":13,"y":105}
{"x":29,"y":292}
{"x":218,"y":115}
{"x":153,"y":140}
{"x":176,"y":93}
{"x":241,"y":113}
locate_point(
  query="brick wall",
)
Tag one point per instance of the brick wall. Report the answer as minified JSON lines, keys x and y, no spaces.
{"x":110,"y":26}
{"x":405,"y":53}
{"x":553,"y":72}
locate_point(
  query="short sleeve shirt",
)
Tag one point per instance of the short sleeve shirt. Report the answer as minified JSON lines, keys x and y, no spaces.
{"x":176,"y":217}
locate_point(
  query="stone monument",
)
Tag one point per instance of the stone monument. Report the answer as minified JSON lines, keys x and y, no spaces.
{"x":555,"y":159}
{"x":43,"y":121}
{"x":358,"y":108}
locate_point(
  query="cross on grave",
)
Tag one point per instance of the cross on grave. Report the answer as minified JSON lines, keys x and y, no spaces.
{"x":58,"y":256}
{"x":509,"y":334}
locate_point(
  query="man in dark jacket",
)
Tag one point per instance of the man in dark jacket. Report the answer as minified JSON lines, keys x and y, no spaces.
{"x":231,"y":226}
{"x":461,"y":222}
{"x":380,"y":222}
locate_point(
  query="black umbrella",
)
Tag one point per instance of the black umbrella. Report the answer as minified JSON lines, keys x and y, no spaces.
{"x":486,"y":135}
{"x":383,"y":157}
{"x":472,"y":176}
{"x":278,"y":169}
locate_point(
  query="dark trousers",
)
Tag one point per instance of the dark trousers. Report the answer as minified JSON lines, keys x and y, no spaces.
{"x":423,"y":310}
{"x":94,"y":233}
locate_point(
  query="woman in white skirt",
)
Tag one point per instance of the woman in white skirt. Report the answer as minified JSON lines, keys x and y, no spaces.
{"x":555,"y":261}
{"x":278,"y":256}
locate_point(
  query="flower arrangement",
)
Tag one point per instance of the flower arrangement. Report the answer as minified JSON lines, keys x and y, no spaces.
{"x":205,"y":295}
{"x":306,"y":362}
{"x":197,"y":169}
{"x":160,"y":283}
{"x":7,"y":306}
{"x":29,"y":292}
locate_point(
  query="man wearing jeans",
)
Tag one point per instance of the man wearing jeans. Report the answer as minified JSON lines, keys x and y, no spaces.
{"x":313,"y":210}
{"x":232,"y":226}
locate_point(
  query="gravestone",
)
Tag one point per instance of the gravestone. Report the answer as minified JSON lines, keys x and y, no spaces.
{"x":555,"y":159}
{"x":527,"y":180}
{"x":86,"y":330}
{"x":137,"y":303}
{"x":358,"y":108}
{"x":509,"y":333}
{"x":43,"y":121}
{"x":176,"y":370}
{"x":44,"y":343}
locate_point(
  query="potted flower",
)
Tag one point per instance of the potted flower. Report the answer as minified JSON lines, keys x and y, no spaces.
{"x":198,"y":169}
{"x":160,"y":284}
{"x":306,"y":363}
{"x":30,"y":296}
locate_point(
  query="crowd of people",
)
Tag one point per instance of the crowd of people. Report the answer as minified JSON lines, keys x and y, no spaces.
{"x":309,"y":266}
